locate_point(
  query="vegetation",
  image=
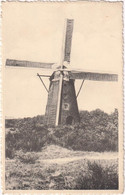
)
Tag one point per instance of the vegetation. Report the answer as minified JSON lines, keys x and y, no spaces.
{"x":98,"y":178}
{"x":98,"y":131}
{"x":74,"y":175}
{"x":31,"y":148}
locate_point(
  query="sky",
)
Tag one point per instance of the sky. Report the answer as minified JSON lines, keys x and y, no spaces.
{"x":34,"y":31}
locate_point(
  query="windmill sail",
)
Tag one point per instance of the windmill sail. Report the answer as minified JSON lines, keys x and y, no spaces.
{"x":68,"y":39}
{"x":21,"y":63}
{"x":94,"y":76}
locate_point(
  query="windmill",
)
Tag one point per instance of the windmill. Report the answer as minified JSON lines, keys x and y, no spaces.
{"x":62,"y":105}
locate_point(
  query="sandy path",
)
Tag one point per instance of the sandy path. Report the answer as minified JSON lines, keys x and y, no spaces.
{"x":71,"y":159}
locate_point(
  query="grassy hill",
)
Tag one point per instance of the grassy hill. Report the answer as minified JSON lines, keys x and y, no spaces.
{"x":73,"y":157}
{"x":98,"y":131}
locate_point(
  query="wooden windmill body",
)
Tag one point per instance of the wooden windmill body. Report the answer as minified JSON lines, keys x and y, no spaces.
{"x":62,"y":105}
{"x":68,"y":108}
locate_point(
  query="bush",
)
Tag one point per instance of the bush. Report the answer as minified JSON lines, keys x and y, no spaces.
{"x":28,"y":157}
{"x":97,"y":131}
{"x":27,"y":139}
{"x":98,"y":177}
{"x":10,"y":153}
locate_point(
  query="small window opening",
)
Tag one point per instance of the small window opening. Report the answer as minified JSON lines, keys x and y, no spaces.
{"x":65,"y":106}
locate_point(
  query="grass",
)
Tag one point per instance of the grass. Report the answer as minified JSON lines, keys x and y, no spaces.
{"x":74,"y":175}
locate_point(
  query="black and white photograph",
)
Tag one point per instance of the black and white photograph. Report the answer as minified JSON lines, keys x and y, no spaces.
{"x":62,"y":96}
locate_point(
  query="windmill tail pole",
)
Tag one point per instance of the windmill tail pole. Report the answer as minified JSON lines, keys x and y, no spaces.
{"x":59,"y":100}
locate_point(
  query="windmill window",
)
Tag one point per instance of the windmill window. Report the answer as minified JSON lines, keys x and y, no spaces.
{"x":65,"y":106}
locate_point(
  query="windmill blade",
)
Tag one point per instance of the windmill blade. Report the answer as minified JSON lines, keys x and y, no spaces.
{"x":21,"y":63}
{"x":94,"y":76}
{"x":68,"y":39}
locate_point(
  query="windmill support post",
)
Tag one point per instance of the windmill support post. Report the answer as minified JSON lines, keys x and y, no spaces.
{"x":42,"y":81}
{"x":80,"y":89}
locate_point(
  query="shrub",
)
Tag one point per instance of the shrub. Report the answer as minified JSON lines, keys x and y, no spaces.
{"x":10,"y":153}
{"x":98,"y":131}
{"x":98,"y":177}
{"x":28,"y":157}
